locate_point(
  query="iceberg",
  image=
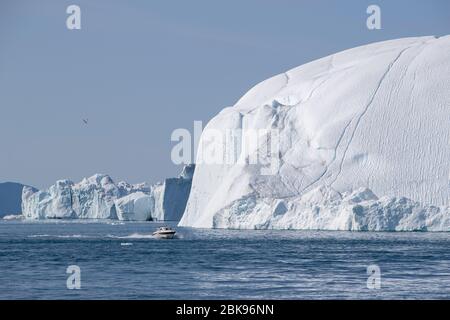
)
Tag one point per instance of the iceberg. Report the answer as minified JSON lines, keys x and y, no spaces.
{"x":372,"y":120}
{"x":170,"y":197}
{"x":135,"y":207}
{"x":54,"y":203}
{"x":99,"y":197}
{"x":92,"y":198}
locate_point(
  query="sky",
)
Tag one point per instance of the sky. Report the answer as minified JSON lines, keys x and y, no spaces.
{"x":137,"y":70}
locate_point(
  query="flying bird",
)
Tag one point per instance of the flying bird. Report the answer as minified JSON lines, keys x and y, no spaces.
{"x":85,"y":121}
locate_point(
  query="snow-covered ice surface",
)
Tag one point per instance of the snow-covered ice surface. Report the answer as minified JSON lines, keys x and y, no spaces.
{"x":373,"y":120}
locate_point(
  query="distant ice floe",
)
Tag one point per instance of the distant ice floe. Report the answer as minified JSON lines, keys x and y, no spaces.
{"x":13,"y":217}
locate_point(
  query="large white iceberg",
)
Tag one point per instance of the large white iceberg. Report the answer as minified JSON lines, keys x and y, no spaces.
{"x":376,"y":117}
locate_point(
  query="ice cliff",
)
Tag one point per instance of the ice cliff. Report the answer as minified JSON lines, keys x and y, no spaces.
{"x":170,"y":197}
{"x":99,"y":197}
{"x":373,"y":120}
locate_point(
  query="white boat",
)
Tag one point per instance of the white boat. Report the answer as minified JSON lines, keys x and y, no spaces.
{"x":164,"y":233}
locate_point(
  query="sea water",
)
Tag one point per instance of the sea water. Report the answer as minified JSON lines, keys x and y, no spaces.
{"x":118,"y":260}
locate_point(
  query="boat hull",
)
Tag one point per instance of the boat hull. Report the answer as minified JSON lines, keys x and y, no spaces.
{"x":167,"y":235}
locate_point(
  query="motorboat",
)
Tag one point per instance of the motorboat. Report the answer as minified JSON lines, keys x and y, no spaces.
{"x":164,"y":233}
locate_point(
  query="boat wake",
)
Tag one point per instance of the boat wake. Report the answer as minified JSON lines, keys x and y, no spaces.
{"x":64,"y":236}
{"x":132,"y":236}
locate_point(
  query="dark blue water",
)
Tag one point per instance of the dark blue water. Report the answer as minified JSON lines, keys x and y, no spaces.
{"x":122,"y":261}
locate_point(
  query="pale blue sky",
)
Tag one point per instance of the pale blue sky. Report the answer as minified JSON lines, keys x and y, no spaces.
{"x":140,"y":69}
